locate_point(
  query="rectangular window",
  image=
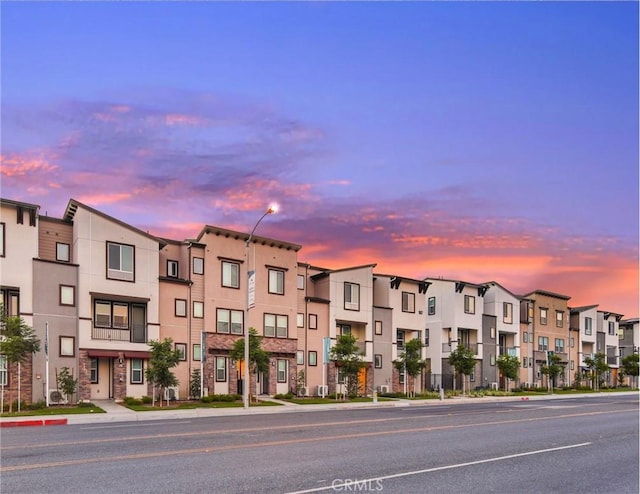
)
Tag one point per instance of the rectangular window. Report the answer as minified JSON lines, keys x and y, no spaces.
{"x":612,"y":328}
{"x":172,"y":269}
{"x":276,"y":281}
{"x":344,"y":329}
{"x":137,"y":371}
{"x":221,"y":369}
{"x":559,"y":317}
{"x":351,"y":296}
{"x":63,"y":252}
{"x":378,"y":327}
{"x":431,"y":306}
{"x":313,"y":358}
{"x":492,"y":333}
{"x":67,"y":346}
{"x":559,"y":345}
{"x":94,"y":371}
{"x":102,"y":314}
{"x":2,"y":246}
{"x":198,"y":310}
{"x":469,"y":304}
{"x":377,"y":358}
{"x":181,"y":307}
{"x":401,"y":376}
{"x":67,"y":295}
{"x":120,"y":262}
{"x":300,"y":320}
{"x":224,"y":321}
{"x":543,"y":343}
{"x":408,"y":302}
{"x":426,"y":337}
{"x":530,"y":312}
{"x":572,"y":342}
{"x":524,"y":361}
{"x":230,"y":274}
{"x":120,"y":315}
{"x":492,"y":359}
{"x":572,"y":365}
{"x":275,"y":325}
{"x":300,"y":282}
{"x":300,"y":357}
{"x":507,"y":313}
{"x":543,"y":316}
{"x":313,"y":321}
{"x":525,"y":338}
{"x":588,"y":325}
{"x":4,"y":373}
{"x":400,"y":339}
{"x":197,"y":352}
{"x":270,"y":325}
{"x":282,"y":371}
{"x":237,"y":318}
{"x":282,"y":326}
{"x":182,"y":350}
{"x":198,"y":265}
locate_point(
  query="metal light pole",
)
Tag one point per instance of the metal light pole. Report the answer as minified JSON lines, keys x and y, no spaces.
{"x":249,"y":303}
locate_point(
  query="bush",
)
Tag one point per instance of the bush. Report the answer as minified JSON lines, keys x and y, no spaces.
{"x":85,"y":404}
{"x":128,"y":400}
{"x":38,"y":405}
{"x":224,"y":398}
{"x":286,"y":396}
{"x":147,"y":399}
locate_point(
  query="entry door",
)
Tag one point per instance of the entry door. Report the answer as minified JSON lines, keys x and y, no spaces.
{"x":264,"y":377}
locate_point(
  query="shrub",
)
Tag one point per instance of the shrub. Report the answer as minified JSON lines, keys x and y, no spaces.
{"x":147,"y":399}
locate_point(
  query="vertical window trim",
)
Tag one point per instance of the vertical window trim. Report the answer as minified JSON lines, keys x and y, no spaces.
{"x":377,"y":327}
{"x":3,"y":242}
{"x":233,"y":268}
{"x":544,"y":316}
{"x":182,"y":348}
{"x":278,"y":274}
{"x":61,"y":346}
{"x":559,"y":319}
{"x":469,"y":304}
{"x":170,"y":271}
{"x":431,"y":306}
{"x":507,"y":312}
{"x":197,"y":265}
{"x":377,"y":361}
{"x":94,"y":370}
{"x":353,"y":291}
{"x":313,"y":321}
{"x":180,"y":302}
{"x":73,"y":295}
{"x":410,"y":305}
{"x":62,"y":258}
{"x":222,"y":368}
{"x":197,"y":352}
{"x":136,"y":370}
{"x":313,"y":358}
{"x":281,"y":374}
{"x":199,"y":312}
{"x":300,"y":282}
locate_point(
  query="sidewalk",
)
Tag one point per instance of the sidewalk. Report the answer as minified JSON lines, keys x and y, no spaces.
{"x":119,"y":413}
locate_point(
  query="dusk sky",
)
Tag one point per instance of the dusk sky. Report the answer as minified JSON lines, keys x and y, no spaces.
{"x":488,"y":141}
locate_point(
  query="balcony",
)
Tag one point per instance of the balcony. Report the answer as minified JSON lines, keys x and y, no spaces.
{"x":507,"y":350}
{"x":541,"y":356}
{"x":362,"y":346}
{"x":612,"y":360}
{"x":137,"y":335}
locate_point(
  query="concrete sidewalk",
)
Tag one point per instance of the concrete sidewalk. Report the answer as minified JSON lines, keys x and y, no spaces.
{"x":119,"y":413}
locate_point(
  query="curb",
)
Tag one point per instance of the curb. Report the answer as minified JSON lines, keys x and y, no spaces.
{"x":29,"y":423}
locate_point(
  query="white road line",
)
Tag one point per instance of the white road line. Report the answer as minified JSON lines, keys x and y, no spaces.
{"x":342,"y":485}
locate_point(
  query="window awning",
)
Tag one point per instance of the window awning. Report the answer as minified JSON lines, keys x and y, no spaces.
{"x":103,"y":353}
{"x":138,"y":354}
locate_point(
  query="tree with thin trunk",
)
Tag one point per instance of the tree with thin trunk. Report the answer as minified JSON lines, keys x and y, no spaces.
{"x":410,"y":361}
{"x":163,"y":358}
{"x":66,"y":383}
{"x":18,"y":342}
{"x":463,"y":361}
{"x":509,"y":366}
{"x":630,"y":367}
{"x":597,"y":365}
{"x":552,"y":369}
{"x":258,"y":358}
{"x":348,"y":359}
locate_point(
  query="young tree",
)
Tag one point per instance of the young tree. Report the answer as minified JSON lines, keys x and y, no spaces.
{"x":258,"y":358}
{"x":630,"y":368}
{"x":163,"y":359}
{"x":66,"y":383}
{"x":18,"y":343}
{"x":509,"y":366}
{"x":553,"y":369}
{"x":348,"y":360}
{"x":598,"y":366}
{"x":463,"y":361}
{"x":410,"y":361}
{"x":194,"y":384}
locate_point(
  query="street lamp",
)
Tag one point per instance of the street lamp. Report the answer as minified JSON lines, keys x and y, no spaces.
{"x":251,"y":284}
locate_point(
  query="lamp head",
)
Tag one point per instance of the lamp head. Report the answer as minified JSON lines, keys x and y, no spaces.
{"x":273,"y":209}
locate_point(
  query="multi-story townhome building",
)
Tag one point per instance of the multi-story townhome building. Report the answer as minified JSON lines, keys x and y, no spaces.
{"x":398,"y":307}
{"x":527,"y":311}
{"x":117,"y":299}
{"x":219,"y":296}
{"x":607,"y":341}
{"x":629,"y":341}
{"x":313,"y":333}
{"x":18,"y":248}
{"x":501,"y":330}
{"x":453,"y":318}
{"x":582,"y":323}
{"x":350,"y":295}
{"x":550,"y":333}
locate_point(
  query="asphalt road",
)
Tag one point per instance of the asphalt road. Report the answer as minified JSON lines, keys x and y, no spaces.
{"x":579,"y":445}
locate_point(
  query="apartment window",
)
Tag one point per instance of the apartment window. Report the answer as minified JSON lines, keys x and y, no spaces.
{"x":221,"y":369}
{"x":612,"y":328}
{"x":120,"y":261}
{"x":401,"y":376}
{"x":507,"y":312}
{"x":94,"y":371}
{"x":197,"y":352}
{"x":300,"y":282}
{"x":351,"y":296}
{"x":116,"y":315}
{"x":198,"y":310}
{"x":137,"y":373}
{"x":198,"y":265}
{"x":341,"y":375}
{"x":469,"y":304}
{"x":377,"y":360}
{"x":67,"y":346}
{"x":426,"y":337}
{"x":559,"y":345}
{"x":559,"y":317}
{"x":63,"y":252}
{"x":400,"y":339}
{"x":588,"y":325}
{"x":525,"y":337}
{"x":282,"y":371}
{"x":300,"y":320}
{"x":181,"y":307}
{"x":472,"y":376}
{"x":172,"y":269}
{"x":524,"y":362}
{"x":530,"y":312}
{"x":275,"y":325}
{"x":276,"y":281}
{"x":344,"y":329}
{"x":230,"y":321}
{"x":572,"y":342}
{"x":408,"y":302}
{"x":492,"y":359}
{"x":543,"y":343}
{"x":2,"y":244}
{"x":4,"y":372}
{"x":67,"y":295}
{"x":313,"y":321}
{"x":230,"y":274}
{"x":620,"y":333}
{"x":572,"y":365}
{"x":378,"y":327}
{"x":492,"y":333}
{"x":181,"y":348}
{"x":431,"y":306}
{"x":543,"y":316}
{"x":300,"y":357}
{"x":313,"y":358}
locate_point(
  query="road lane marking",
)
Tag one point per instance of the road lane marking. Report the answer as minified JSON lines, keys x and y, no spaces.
{"x":355,"y":483}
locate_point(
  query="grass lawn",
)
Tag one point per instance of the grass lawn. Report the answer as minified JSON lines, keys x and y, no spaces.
{"x":189,"y":405}
{"x":332,"y":401}
{"x":56,"y":410}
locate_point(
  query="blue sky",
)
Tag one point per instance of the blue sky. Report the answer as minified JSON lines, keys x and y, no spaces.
{"x":488,"y":140}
